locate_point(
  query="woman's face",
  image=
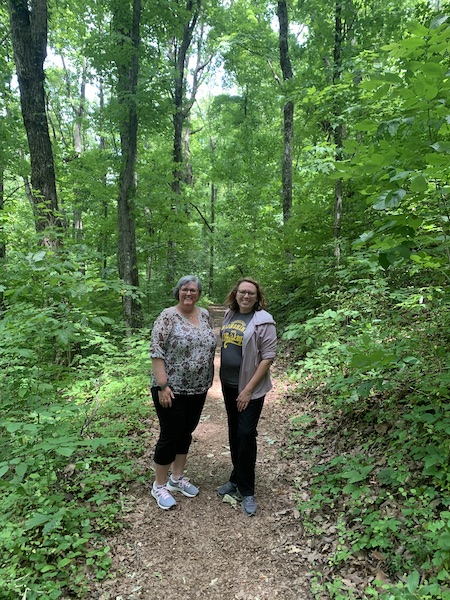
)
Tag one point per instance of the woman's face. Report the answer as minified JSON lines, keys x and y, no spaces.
{"x":246,"y":296}
{"x":188,"y":294}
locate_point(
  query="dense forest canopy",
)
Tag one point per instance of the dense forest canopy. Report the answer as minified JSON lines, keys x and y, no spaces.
{"x":303,"y":143}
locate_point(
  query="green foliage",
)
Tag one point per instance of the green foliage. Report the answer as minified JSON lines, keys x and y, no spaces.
{"x":378,"y":367}
{"x":74,"y":401}
{"x":369,"y":332}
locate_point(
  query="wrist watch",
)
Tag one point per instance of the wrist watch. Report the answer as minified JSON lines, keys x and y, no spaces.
{"x":162,"y":387}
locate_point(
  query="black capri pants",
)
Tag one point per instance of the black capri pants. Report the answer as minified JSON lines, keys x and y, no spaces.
{"x":176,"y":425}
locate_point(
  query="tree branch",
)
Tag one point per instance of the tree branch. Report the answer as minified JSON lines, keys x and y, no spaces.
{"x":202,"y":217}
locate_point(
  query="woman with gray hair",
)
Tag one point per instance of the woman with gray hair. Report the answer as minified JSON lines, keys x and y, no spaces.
{"x":182,"y":349}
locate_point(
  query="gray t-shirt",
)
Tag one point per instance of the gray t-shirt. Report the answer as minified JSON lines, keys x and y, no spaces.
{"x":232,"y":335}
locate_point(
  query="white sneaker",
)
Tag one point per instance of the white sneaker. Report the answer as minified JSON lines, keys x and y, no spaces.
{"x":182,"y":485}
{"x":162,"y":496}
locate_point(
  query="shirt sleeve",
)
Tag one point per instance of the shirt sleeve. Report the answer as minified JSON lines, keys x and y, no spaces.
{"x":267,"y":341}
{"x":160,"y":335}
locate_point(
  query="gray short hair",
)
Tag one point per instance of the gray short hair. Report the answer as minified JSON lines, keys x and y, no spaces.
{"x":187,"y":279}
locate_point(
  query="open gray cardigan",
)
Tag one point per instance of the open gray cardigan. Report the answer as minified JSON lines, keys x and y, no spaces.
{"x":259,"y":343}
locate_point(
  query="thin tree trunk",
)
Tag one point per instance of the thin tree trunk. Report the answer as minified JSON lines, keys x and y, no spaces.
{"x":211,"y":246}
{"x":78,"y":110}
{"x":102,"y":145}
{"x":29,"y":37}
{"x":288,"y":111}
{"x":128,"y":69}
{"x":338,"y":130}
{"x":179,"y":97}
{"x":200,"y":65}
{"x":2,"y":243}
{"x":179,"y":58}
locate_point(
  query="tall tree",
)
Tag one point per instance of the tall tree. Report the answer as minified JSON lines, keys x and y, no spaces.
{"x":179,"y":56}
{"x":29,"y":36}
{"x":126,"y":22}
{"x":2,"y":241}
{"x":338,"y":128}
{"x":288,"y":110}
{"x":336,"y":54}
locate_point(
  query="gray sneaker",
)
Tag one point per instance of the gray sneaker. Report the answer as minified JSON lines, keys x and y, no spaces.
{"x":249,"y":505}
{"x":162,"y":497}
{"x":229,"y":488}
{"x":182,"y":485}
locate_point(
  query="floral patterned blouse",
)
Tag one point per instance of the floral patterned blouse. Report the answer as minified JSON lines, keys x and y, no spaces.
{"x":187,"y":350}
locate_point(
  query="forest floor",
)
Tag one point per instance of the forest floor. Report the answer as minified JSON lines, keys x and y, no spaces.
{"x":205,"y":547}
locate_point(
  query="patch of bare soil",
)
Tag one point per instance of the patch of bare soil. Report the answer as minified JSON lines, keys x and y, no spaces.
{"x":205,"y":547}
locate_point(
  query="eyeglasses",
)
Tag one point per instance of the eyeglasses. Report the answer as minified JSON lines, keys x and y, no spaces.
{"x":246,"y":293}
{"x":188,"y":291}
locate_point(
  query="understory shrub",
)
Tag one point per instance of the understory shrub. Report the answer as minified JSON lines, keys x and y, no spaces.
{"x":380,"y":380}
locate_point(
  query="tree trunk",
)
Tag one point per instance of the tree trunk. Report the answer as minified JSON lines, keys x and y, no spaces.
{"x":211,"y":246}
{"x":104,"y":242}
{"x":29,"y":37}
{"x":288,"y":111}
{"x":200,"y":64}
{"x":2,"y":243}
{"x":338,"y":129}
{"x":78,"y":110}
{"x":179,"y":58}
{"x":126,"y":27}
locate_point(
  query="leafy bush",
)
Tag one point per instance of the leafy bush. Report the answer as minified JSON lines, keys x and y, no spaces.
{"x":381,"y":384}
{"x":74,"y":400}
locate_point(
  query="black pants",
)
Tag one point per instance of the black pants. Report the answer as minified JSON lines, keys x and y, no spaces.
{"x":176,"y":425}
{"x":242,"y":434}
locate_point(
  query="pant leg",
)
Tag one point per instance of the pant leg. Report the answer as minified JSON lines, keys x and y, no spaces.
{"x":247,"y":446}
{"x":230,"y":395}
{"x":242,"y":434}
{"x":176,"y":425}
{"x":189,"y":419}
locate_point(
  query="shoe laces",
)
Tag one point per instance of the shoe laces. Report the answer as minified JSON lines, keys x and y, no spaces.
{"x":183,"y":482}
{"x":163,"y":492}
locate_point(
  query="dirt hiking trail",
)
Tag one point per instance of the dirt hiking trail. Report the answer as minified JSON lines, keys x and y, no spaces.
{"x":204,"y":547}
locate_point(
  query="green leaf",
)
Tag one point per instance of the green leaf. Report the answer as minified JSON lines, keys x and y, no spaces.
{"x":443,"y":542}
{"x":64,"y":562}
{"x":47,"y":568}
{"x":65,"y":450}
{"x":37,"y":520}
{"x":438,"y":21}
{"x":384,"y":260}
{"x":12,"y":427}
{"x":425,"y":88}
{"x":441,"y":147}
{"x":419,"y":184}
{"x":412,"y":583}
{"x":21,"y":469}
{"x":357,"y":474}
{"x":390,"y":202}
{"x":38,"y":256}
{"x":54,"y":521}
{"x":366,"y":125}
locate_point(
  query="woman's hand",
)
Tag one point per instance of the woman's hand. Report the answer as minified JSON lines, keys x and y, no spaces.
{"x":243,"y":399}
{"x":165,"y":397}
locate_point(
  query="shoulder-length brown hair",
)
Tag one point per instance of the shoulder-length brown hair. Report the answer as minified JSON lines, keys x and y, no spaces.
{"x":231,"y":302}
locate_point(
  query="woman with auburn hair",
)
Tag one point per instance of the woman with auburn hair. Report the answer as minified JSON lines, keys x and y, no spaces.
{"x":248,"y":348}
